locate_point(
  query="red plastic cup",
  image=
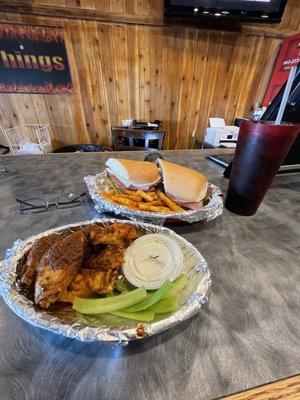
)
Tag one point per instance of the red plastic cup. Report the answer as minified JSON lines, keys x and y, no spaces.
{"x":260,"y":151}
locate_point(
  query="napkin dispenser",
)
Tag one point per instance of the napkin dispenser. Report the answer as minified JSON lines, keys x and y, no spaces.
{"x":218,"y":134}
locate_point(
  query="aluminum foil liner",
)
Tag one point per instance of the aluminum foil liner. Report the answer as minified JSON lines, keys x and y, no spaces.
{"x":108,"y":328}
{"x":97,"y":183}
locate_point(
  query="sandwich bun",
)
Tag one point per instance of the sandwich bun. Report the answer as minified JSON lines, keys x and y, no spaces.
{"x":182,"y":184}
{"x":133,"y":174}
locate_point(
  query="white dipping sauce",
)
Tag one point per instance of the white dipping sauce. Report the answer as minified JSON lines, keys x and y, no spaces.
{"x":151,"y":260}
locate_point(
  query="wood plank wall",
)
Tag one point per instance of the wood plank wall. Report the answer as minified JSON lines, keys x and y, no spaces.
{"x":179,"y":75}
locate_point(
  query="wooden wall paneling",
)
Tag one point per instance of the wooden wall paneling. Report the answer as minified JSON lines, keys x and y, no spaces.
{"x":240,"y":59}
{"x":157,"y":7}
{"x":130,"y":7}
{"x":88,"y":4}
{"x":133,"y":70}
{"x":65,"y":110}
{"x":186,"y":84}
{"x":58,"y":3}
{"x":105,"y":33}
{"x":248,"y":74}
{"x":142,"y":12}
{"x":290,"y":24}
{"x":223,"y":76}
{"x":144,"y":72}
{"x":82,"y":60}
{"x":117,"y":6}
{"x":157,"y":73}
{"x":40,"y":109}
{"x":23,"y":107}
{"x":216,"y":105}
{"x":80,"y":131}
{"x":214,"y":47}
{"x":12,"y":17}
{"x":87,"y":13}
{"x":268,"y":48}
{"x":143,"y":7}
{"x":114,"y":70}
{"x":45,"y":106}
{"x":7,"y":117}
{"x":198,"y":82}
{"x":102,"y":5}
{"x":267,"y":73}
{"x":71,"y":3}
{"x":20,"y":108}
{"x":119,"y":40}
{"x":174,"y":84}
{"x":100,"y":110}
{"x":61,"y":118}
{"x":10,"y":116}
{"x":166,"y":78}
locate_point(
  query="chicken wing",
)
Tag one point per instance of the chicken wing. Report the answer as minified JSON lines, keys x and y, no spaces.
{"x":39,"y":248}
{"x":58,"y":268}
{"x":109,"y":258}
{"x":116,"y":234}
{"x":87,"y":283}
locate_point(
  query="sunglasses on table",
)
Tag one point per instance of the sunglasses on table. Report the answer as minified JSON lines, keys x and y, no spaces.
{"x":39,"y":204}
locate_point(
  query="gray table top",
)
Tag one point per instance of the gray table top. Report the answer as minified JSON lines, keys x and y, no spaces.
{"x":245,"y":336}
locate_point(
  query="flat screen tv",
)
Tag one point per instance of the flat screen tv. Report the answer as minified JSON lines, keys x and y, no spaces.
{"x":197,"y":10}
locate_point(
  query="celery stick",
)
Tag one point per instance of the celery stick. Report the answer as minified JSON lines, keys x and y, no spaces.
{"x":138,"y":316}
{"x":152,"y":299}
{"x":104,"y":305}
{"x":121,"y":286}
{"x":178,"y":285}
{"x":167,"y":305}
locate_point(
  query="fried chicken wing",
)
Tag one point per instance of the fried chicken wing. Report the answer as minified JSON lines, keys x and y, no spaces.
{"x":109,"y":258}
{"x":116,"y":234}
{"x":87,"y":283}
{"x":58,"y":268}
{"x":39,"y":248}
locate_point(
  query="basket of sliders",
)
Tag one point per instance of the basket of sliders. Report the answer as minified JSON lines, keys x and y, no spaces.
{"x":160,"y":192}
{"x":105,"y":280}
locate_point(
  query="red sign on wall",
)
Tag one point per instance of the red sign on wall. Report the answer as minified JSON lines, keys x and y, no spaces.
{"x":289,"y":55}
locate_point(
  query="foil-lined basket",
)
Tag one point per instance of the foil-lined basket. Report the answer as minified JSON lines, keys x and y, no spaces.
{"x":97,"y":183}
{"x":107,"y":328}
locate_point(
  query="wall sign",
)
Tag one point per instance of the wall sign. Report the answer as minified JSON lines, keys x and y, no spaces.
{"x":288,"y":56}
{"x":33,"y":59}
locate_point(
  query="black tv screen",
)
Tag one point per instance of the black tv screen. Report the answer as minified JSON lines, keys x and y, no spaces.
{"x":260,"y":10}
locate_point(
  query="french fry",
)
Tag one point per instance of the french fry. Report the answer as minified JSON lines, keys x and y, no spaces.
{"x":153,"y":195}
{"x":156,"y":203}
{"x":132,"y":197}
{"x":134,"y":207}
{"x":168,"y":202}
{"x":144,"y":195}
{"x":105,"y":194}
{"x":150,"y":207}
{"x":122,"y":200}
{"x":128,"y":191}
{"x":140,"y":200}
